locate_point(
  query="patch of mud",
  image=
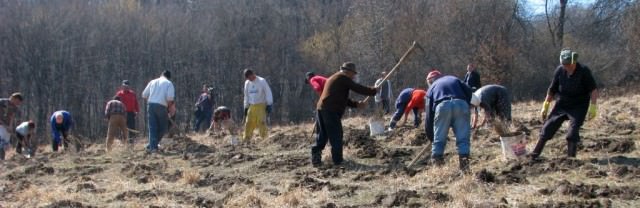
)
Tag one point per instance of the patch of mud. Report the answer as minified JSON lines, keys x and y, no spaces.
{"x":221,"y":183}
{"x":187,"y":145}
{"x":610,"y":145}
{"x":400,"y":198}
{"x":313,"y":184}
{"x":360,"y":140}
{"x":224,"y":159}
{"x":68,"y":203}
{"x":81,"y":170}
{"x":291,"y":141}
{"x":574,"y":203}
{"x":590,"y":191}
{"x":86,"y":187}
{"x":284,"y":162}
{"x":39,"y":169}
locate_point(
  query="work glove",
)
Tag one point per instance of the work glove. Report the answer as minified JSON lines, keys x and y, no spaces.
{"x":545,"y":110}
{"x":593,"y":110}
{"x":268,"y":109}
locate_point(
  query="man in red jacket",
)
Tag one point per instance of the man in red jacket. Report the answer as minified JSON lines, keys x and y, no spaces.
{"x":130,"y":101}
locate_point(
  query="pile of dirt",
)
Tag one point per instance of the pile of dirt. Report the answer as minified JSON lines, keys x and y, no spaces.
{"x":399,"y":198}
{"x":284,"y":162}
{"x":185,"y":145}
{"x":610,"y":145}
{"x":221,"y":183}
{"x":39,"y":169}
{"x":360,"y":140}
{"x":288,"y":140}
{"x":574,"y":203}
{"x":590,"y":191}
{"x":68,"y":203}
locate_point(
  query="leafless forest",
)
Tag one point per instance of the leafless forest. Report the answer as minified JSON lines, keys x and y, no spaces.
{"x":72,"y":54}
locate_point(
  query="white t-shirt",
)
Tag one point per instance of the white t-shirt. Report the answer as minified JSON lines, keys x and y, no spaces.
{"x":257,"y":91}
{"x":159,"y":91}
{"x":23,"y":128}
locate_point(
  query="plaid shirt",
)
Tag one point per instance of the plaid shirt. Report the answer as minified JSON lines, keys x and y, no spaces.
{"x":114,"y":107}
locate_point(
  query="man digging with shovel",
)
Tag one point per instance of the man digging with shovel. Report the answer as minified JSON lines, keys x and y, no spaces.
{"x":330,"y":108}
{"x":410,"y":99}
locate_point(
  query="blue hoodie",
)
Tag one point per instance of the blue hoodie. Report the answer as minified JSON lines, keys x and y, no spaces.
{"x":66,"y":124}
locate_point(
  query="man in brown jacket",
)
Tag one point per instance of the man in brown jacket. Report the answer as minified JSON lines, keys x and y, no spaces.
{"x":330,"y":108}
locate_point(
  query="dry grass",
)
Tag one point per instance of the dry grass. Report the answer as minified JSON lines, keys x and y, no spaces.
{"x":190,"y":176}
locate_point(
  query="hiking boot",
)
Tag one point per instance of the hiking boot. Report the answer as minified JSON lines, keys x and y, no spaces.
{"x":316,"y":159}
{"x":537,"y":150}
{"x":463,"y":160}
{"x":572,"y":148}
{"x":437,"y":160}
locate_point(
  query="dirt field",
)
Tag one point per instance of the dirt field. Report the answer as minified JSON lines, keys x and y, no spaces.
{"x":205,"y":171}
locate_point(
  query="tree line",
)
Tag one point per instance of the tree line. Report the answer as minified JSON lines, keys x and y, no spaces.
{"x":73,"y":55}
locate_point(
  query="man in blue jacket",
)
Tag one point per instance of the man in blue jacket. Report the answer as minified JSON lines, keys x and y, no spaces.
{"x":448,"y":106}
{"x":61,"y":123}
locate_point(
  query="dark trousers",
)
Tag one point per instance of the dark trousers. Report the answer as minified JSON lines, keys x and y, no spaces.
{"x":330,"y":129}
{"x":131,"y":123}
{"x":385,"y":106}
{"x":575,"y":115}
{"x":22,"y":139}
{"x":64,"y":140}
{"x":203,"y":121}
{"x":158,"y":122}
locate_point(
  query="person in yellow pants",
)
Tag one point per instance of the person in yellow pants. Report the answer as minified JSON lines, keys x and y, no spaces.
{"x":257,"y":104}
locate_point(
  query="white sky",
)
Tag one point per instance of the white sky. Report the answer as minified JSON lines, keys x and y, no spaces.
{"x":537,"y":6}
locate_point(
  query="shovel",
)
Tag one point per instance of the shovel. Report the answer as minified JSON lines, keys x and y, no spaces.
{"x":374,"y":122}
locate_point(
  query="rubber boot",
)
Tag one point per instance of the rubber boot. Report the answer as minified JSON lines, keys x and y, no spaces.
{"x":463,"y":160}
{"x":572,"y":148}
{"x":437,"y":160}
{"x":538,"y":149}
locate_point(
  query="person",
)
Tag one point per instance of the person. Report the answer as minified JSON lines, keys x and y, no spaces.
{"x":159,"y":94}
{"x":257,"y":104}
{"x":204,"y":109}
{"x":495,"y":100}
{"x":472,"y":78}
{"x":576,"y":93}
{"x":331,"y":107}
{"x":24,"y":132}
{"x":61,"y":123}
{"x":130,"y":101}
{"x":115,"y":113}
{"x":409,"y":99}
{"x":316,"y":81}
{"x":448,"y":106}
{"x":222,"y":120}
{"x":383,"y":96}
{"x":8,"y":110}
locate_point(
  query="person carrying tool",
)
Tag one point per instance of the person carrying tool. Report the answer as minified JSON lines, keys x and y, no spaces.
{"x":222,"y":120}
{"x":409,"y":99}
{"x":204,"y":109}
{"x":257,"y":104}
{"x":24,"y":132}
{"x":330,"y":108}
{"x":160,"y":95}
{"x":8,"y":109}
{"x":130,"y":101}
{"x":448,"y":106}
{"x":316,"y":81}
{"x":576,"y":93}
{"x":115,"y":114}
{"x":495,"y":100}
{"x":383,"y":97}
{"x":61,"y":123}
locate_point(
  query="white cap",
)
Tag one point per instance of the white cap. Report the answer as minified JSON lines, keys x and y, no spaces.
{"x":475,"y":100}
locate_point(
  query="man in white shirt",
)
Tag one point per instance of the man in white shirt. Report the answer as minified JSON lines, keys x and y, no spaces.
{"x":159,"y":95}
{"x":383,"y":96}
{"x":257,"y":104}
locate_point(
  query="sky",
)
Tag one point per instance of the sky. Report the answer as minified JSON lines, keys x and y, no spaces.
{"x":537,"y":6}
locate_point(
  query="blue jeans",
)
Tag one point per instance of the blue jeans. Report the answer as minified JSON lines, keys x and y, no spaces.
{"x":158,"y":121}
{"x":330,"y":129}
{"x":400,"y":108}
{"x":203,"y":118}
{"x":456,"y":114}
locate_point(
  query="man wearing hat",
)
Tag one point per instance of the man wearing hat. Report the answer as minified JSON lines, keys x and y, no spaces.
{"x":410,"y":99}
{"x":576,"y":93}
{"x":160,"y":95}
{"x":8,"y":109}
{"x":330,"y":108}
{"x":257,"y":104}
{"x":130,"y":101}
{"x":383,"y":97}
{"x":448,"y":106}
{"x":316,"y":81}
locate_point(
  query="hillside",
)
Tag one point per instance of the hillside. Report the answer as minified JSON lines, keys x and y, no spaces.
{"x":205,"y":171}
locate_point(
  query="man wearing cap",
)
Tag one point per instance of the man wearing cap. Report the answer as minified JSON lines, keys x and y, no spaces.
{"x":576,"y":93}
{"x":160,"y":95}
{"x":8,"y":109}
{"x":316,"y":81}
{"x":258,"y":100}
{"x":130,"y":101}
{"x":410,"y":99}
{"x":115,"y":113}
{"x":204,"y":109}
{"x":61,"y":123}
{"x":330,"y":108}
{"x":448,"y":106}
{"x":383,"y":97}
{"x":495,"y":100}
